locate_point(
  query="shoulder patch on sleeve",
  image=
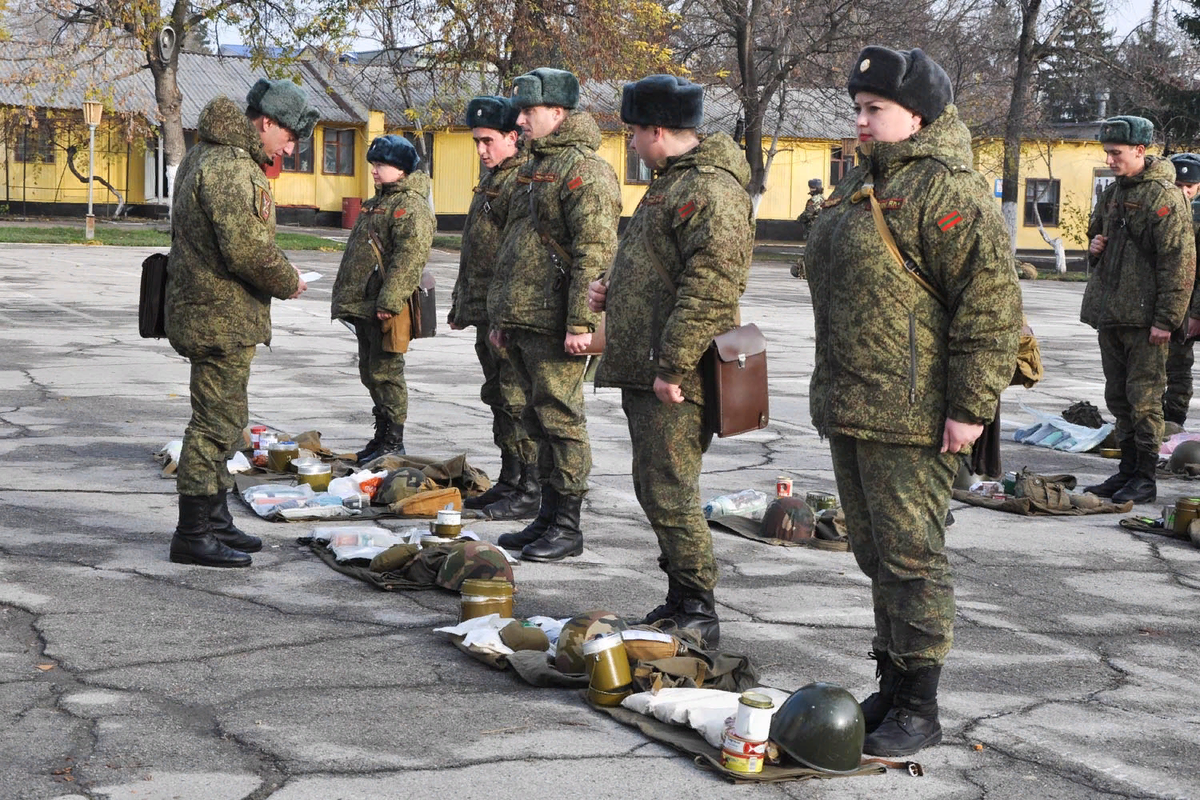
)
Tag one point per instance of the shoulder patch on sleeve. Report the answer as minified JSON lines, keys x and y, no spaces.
{"x":831,"y":202}
{"x":949,"y":220}
{"x":1164,"y":211}
{"x":263,"y":204}
{"x":687,"y":209}
{"x":399,"y":212}
{"x":575,"y":182}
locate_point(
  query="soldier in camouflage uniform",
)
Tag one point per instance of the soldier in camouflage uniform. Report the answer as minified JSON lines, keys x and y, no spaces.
{"x":906,"y":372}
{"x":560,"y":235}
{"x":816,"y":196}
{"x":380,"y":269}
{"x":224,"y":269}
{"x":694,"y":224}
{"x":493,"y":124}
{"x":1143,"y":255}
{"x":1180,"y":356}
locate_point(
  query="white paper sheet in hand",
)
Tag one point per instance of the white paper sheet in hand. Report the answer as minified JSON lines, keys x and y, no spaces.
{"x":309,"y":277}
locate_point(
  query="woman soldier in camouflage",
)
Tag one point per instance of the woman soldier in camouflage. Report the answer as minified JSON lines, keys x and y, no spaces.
{"x":380,"y":270}
{"x":910,"y":361}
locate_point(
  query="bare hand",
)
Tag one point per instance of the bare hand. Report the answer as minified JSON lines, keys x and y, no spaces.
{"x":1193,"y":328}
{"x":453,"y":325}
{"x":1160,"y":336}
{"x":1097,"y":245}
{"x":668,"y":393}
{"x":957,"y":435}
{"x":576,"y":343}
{"x":498,"y":338}
{"x":301,"y":287}
{"x":597,"y":295}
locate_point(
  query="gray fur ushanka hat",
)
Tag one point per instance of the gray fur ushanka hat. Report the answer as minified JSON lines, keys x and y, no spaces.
{"x":908,"y":77}
{"x":1127,"y":130}
{"x":284,"y":102}
{"x":546,"y":86}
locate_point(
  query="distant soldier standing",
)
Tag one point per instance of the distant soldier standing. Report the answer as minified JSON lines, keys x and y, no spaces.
{"x":816,"y":196}
{"x":681,"y":266}
{"x":560,"y":235}
{"x":223,"y":271}
{"x":380,"y":270}
{"x":1143,"y":257}
{"x":493,"y":124}
{"x":1180,"y":357}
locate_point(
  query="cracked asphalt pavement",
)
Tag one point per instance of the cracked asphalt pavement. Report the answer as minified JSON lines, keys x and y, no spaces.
{"x":125,"y":676}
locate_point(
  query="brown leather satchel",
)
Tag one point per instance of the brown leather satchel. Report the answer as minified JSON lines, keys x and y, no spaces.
{"x":735,"y":382}
{"x":420,"y":318}
{"x":152,"y":303}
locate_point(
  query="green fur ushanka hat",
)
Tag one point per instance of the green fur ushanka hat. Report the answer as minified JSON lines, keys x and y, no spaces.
{"x":663,"y":100}
{"x":908,"y":77}
{"x":490,"y":111}
{"x":1127,"y":130}
{"x":394,"y":150}
{"x":284,"y":102}
{"x":546,"y":86}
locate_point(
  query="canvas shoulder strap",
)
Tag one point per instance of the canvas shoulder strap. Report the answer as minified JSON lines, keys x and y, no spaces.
{"x":885,"y":233}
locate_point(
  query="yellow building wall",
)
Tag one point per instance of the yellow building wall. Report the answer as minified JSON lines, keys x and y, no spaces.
{"x":796,"y":162}
{"x":1073,"y":163}
{"x":455,"y":171}
{"x":116,"y":161}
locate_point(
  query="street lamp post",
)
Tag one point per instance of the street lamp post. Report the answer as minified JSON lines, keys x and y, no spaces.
{"x":92,"y":110}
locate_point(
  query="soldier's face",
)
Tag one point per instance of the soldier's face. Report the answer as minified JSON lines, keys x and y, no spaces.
{"x":1190,"y":190}
{"x":493,"y":146}
{"x":883,"y":120}
{"x":385,"y":173}
{"x":539,"y":121}
{"x":276,"y":139}
{"x":648,"y":142}
{"x":1125,"y":160}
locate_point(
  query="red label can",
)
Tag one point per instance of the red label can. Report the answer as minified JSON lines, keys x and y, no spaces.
{"x":783,"y":486}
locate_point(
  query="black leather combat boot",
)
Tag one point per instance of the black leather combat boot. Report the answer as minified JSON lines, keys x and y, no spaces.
{"x":563,"y":538}
{"x":879,"y":703}
{"x":912,"y":723}
{"x":381,"y":426}
{"x":1142,"y":487}
{"x":222,"y":527}
{"x":391,"y":444}
{"x":669,"y":606}
{"x":1125,"y":471}
{"x":194,"y":543}
{"x":506,"y":484}
{"x":523,"y":502}
{"x":534,"y":530}
{"x":698,"y":610}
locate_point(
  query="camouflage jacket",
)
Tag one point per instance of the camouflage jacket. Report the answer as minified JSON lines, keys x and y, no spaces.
{"x":481,"y":240}
{"x":577,"y":200}
{"x":892,"y":362}
{"x":1144,"y":276}
{"x":399,"y":222}
{"x":224,"y":266}
{"x":695,"y":221}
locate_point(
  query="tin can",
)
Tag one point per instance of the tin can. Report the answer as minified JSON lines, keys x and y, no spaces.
{"x":1186,"y":510}
{"x":607,"y":666}
{"x":783,"y":486}
{"x":280,"y":454}
{"x":256,"y":431}
{"x":820,"y":501}
{"x":753,"y":720}
{"x":265,"y":439}
{"x":315,"y":475}
{"x":740,"y":755}
{"x":481,"y":597}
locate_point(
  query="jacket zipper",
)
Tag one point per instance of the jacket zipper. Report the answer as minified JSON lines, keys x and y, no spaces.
{"x":912,"y":357}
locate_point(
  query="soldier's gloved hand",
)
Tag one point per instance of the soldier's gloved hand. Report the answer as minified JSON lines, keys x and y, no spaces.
{"x":1160,"y":336}
{"x":576,"y":343}
{"x":668,"y":393}
{"x":597,"y":295}
{"x":1097,"y":245}
{"x":957,"y":435}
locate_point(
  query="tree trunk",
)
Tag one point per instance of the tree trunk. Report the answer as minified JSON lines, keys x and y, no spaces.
{"x":164,"y":67}
{"x":1014,"y":122}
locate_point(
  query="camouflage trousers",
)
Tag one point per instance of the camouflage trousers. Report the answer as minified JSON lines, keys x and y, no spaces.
{"x":668,"y":442}
{"x":220,"y":414}
{"x":895,"y":499}
{"x":502,"y":393}
{"x":553,"y":384}
{"x":1177,"y":399}
{"x":381,"y":372}
{"x":1135,"y":376}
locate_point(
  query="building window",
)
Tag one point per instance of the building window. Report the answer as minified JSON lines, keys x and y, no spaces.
{"x":841,"y":161}
{"x":301,"y":159}
{"x":34,"y":142}
{"x":1044,"y":194}
{"x":427,"y":155}
{"x":636,"y":170}
{"x":339,"y":152}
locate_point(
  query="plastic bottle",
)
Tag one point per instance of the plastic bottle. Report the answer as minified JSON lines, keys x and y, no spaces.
{"x":745,"y":503}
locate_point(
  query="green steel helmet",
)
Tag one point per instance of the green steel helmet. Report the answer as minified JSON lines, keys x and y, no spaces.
{"x":473,"y":560}
{"x":822,"y":727}
{"x":1185,"y":453}
{"x":568,"y":655}
{"x":401,"y":483}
